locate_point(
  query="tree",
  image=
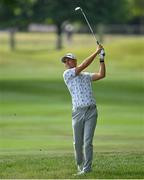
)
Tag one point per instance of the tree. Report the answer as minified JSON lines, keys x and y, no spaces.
{"x":138,"y":7}
{"x":57,"y":11}
{"x":104,"y":11}
{"x":138,"y":10}
{"x":21,"y":13}
{"x":15,"y":15}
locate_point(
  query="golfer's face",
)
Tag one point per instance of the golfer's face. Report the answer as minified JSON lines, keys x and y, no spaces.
{"x":70,"y":63}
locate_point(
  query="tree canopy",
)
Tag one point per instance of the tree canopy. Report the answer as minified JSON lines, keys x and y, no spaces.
{"x":19,"y":14}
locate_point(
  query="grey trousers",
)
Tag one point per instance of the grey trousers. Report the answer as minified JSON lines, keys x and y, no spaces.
{"x":84,"y":123}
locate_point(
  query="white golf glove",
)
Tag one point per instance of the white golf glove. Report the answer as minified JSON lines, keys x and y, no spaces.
{"x":102,"y":55}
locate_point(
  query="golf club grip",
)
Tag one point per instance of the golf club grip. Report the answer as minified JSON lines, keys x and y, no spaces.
{"x":97,"y":43}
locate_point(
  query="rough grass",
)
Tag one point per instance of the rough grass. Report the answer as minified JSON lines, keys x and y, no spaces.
{"x":47,"y":166}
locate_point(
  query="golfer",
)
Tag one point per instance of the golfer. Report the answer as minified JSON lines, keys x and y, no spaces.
{"x":84,"y":111}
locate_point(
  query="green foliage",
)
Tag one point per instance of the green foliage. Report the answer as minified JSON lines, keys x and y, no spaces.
{"x":6,"y":11}
{"x":21,"y":13}
{"x":59,"y":11}
{"x":138,"y":7}
{"x":102,"y":11}
{"x":137,"y":12}
{"x":16,"y":13}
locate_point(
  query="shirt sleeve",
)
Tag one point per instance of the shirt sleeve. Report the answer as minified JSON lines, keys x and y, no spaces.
{"x":89,"y":75}
{"x":69,"y":74}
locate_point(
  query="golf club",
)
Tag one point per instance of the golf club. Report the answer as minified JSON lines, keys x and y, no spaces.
{"x":79,"y":8}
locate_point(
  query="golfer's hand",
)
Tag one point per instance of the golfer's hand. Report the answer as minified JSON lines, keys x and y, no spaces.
{"x":102,"y":54}
{"x":99,"y":48}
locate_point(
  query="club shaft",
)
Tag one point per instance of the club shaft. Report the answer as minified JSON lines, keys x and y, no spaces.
{"x":89,"y":26}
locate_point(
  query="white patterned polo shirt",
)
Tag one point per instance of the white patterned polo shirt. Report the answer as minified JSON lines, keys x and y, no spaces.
{"x":79,"y":87}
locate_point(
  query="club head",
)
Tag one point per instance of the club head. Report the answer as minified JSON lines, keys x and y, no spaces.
{"x":77,"y":8}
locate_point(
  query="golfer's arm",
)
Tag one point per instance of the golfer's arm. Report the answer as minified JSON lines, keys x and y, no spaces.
{"x":85,"y":63}
{"x":101,"y":74}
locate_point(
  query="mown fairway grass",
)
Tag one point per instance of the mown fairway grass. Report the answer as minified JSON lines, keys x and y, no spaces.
{"x":35,"y":109}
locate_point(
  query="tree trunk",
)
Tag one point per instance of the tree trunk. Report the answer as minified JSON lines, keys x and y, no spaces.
{"x":12,"y":32}
{"x":59,"y":37}
{"x":141,"y":25}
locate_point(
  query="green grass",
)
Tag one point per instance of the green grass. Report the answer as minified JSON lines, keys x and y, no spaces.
{"x":43,"y":165}
{"x":35,"y":109}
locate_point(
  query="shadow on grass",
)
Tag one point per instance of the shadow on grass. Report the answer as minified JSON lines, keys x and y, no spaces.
{"x":109,"y":92}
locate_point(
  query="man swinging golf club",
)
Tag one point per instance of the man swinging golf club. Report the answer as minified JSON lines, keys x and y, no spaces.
{"x":84,"y":111}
